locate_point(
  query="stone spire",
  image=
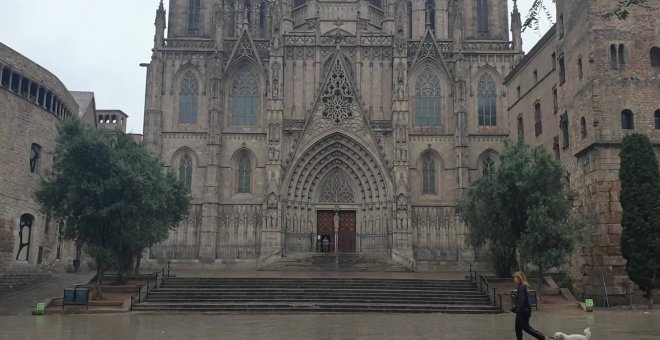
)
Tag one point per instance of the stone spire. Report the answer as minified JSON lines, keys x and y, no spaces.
{"x":516,"y":28}
{"x":159,"y":37}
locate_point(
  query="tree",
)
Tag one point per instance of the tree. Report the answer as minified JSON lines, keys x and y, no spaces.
{"x":111,"y":195}
{"x":524,"y":206}
{"x":640,"y":200}
{"x":621,"y":11}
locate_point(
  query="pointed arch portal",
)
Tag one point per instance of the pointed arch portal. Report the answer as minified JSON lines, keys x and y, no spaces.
{"x":337,"y":174}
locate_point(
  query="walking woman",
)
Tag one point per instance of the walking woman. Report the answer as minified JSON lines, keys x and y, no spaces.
{"x":523,"y":309}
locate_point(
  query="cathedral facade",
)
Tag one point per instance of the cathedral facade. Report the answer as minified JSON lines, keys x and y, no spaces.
{"x":360,"y":121}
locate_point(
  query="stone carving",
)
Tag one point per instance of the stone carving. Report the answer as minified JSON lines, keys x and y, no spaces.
{"x":244,"y":48}
{"x":336,"y":189}
{"x":428,"y":49}
{"x":337,"y":97}
{"x":272,"y":201}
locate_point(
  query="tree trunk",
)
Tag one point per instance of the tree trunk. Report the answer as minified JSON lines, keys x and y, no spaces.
{"x":539,"y":285}
{"x":137,"y":263}
{"x":98,"y":295}
{"x":649,"y":296}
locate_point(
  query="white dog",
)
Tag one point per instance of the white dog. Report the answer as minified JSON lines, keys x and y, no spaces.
{"x":562,"y":336}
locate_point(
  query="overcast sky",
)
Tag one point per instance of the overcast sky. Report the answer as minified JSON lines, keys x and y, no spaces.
{"x":97,"y":45}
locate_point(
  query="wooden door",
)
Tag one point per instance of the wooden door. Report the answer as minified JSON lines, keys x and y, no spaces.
{"x":346,"y":232}
{"x":325,"y":226}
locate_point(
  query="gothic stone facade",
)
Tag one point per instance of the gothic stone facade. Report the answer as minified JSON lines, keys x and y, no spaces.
{"x":580,"y":90}
{"x":277,"y":114}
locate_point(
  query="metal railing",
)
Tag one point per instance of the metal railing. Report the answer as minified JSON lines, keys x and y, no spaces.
{"x":483,"y":285}
{"x":152,"y":283}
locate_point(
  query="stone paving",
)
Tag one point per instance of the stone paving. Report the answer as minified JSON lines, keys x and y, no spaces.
{"x":610,"y":324}
{"x":24,"y":301}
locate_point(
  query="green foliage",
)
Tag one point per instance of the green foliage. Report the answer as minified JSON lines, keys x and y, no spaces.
{"x":112,"y":195}
{"x":621,"y":11}
{"x":522,"y":206}
{"x":640,"y":200}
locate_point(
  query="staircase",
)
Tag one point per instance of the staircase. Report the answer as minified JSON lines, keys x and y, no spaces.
{"x":314,"y":295}
{"x":336,"y":262}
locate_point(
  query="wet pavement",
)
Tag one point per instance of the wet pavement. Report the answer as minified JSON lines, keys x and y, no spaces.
{"x":610,"y":324}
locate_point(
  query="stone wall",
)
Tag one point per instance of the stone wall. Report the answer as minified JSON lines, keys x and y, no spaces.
{"x":26,"y":122}
{"x":585,"y":131}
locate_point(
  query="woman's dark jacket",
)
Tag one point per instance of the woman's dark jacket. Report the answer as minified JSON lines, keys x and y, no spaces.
{"x":522,"y":307}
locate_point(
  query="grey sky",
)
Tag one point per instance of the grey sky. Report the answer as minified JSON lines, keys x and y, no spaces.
{"x":97,"y":45}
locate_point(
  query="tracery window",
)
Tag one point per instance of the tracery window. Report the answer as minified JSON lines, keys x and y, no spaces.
{"x":428,"y":100}
{"x":185,"y":171}
{"x":188,"y":98}
{"x":245,"y":99}
{"x":244,"y":173}
{"x":428,"y":175}
{"x":487,"y":100}
{"x":488,"y":167}
{"x":336,"y":189}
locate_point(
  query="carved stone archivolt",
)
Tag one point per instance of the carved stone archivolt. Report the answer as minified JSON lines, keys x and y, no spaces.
{"x":333,"y":153}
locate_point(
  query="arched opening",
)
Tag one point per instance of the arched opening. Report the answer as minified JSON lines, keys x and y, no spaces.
{"x":245,"y":98}
{"x":627,"y":122}
{"x":24,"y":236}
{"x":244,"y":172}
{"x":655,"y":57}
{"x":487,"y":100}
{"x":185,"y":170}
{"x":188,"y":98}
{"x":428,"y":99}
{"x":428,"y":175}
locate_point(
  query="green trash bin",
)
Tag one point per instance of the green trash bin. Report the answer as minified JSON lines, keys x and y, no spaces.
{"x":589,"y":305}
{"x":41,"y":308}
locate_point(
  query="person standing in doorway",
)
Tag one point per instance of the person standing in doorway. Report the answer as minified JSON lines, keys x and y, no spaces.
{"x":326,"y":243}
{"x":523,"y":308}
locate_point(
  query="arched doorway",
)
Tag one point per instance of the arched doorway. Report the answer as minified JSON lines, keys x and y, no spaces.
{"x":338,"y":226}
{"x":337,"y":182}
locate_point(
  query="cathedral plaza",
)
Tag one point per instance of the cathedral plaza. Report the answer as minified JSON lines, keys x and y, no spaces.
{"x":325,"y":145}
{"x":605,"y":325}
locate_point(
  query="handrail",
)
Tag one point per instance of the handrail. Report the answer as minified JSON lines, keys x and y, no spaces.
{"x":482,"y":282}
{"x":152,"y":282}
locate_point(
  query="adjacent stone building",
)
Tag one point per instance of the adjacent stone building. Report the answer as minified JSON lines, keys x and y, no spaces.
{"x":284,"y":116}
{"x":585,"y":85}
{"x":33,"y":102}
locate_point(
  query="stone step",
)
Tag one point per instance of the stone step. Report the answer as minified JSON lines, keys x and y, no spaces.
{"x":292,"y":299}
{"x":317,"y":286}
{"x":336,"y":262}
{"x":331,"y":295}
{"x":314,"y":279}
{"x":314,"y":307}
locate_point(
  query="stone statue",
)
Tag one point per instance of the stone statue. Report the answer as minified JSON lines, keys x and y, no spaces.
{"x":336,"y":220}
{"x":400,"y":91}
